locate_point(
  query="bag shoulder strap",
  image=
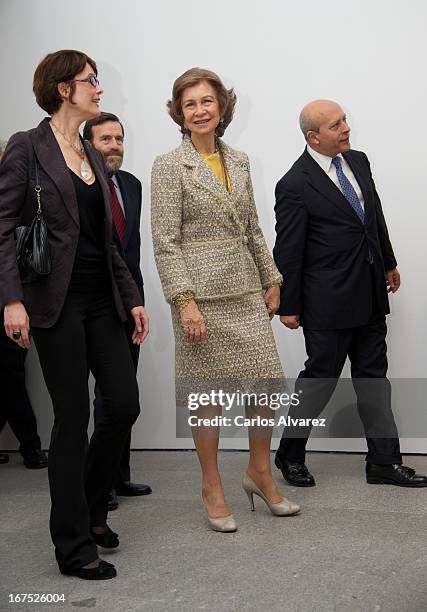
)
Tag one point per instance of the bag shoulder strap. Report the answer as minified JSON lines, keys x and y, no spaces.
{"x":37,"y":187}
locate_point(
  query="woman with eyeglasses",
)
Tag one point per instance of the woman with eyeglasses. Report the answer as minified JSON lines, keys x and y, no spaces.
{"x":75,"y":312}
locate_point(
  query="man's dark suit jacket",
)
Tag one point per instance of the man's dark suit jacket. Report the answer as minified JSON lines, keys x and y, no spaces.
{"x":324,"y":251}
{"x":131,"y":190}
{"x":45,"y":298}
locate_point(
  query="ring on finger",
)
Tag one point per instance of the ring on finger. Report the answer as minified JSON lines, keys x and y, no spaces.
{"x":16,"y":334}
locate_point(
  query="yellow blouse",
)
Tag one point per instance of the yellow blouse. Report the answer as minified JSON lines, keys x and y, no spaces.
{"x":214,"y":162}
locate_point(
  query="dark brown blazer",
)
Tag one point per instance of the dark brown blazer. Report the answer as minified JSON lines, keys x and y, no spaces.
{"x":45,"y":298}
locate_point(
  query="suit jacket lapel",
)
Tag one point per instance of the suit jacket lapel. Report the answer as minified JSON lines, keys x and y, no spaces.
{"x":203,"y":176}
{"x":238,"y":171}
{"x":49,"y":155}
{"x":363,"y":180}
{"x":129,"y":210}
{"x":206,"y":179}
{"x":322,"y":183}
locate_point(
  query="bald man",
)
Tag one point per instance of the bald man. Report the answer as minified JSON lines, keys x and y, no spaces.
{"x":338,"y":265}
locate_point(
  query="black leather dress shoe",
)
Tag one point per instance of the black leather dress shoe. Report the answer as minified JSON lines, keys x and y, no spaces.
{"x":108,"y":539}
{"x":394,"y":474}
{"x":35,"y":459}
{"x":295,"y":474}
{"x":4,"y":458}
{"x":104,"y":571}
{"x":130,"y":489}
{"x":113,"y":502}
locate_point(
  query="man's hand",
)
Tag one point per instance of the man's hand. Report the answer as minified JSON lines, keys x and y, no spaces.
{"x":193,"y":322}
{"x":16,"y":320}
{"x":290,"y":321}
{"x":392,"y":280}
{"x":141,"y":324}
{"x":272,"y":300}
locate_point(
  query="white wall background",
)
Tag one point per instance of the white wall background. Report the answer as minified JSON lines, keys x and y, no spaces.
{"x":368,"y":55}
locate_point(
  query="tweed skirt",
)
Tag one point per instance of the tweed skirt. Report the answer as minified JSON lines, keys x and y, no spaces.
{"x":239,"y":350}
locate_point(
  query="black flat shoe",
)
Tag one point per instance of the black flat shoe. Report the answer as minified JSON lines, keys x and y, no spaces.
{"x":113,"y":502}
{"x":395,"y":474}
{"x":35,"y":459}
{"x":108,"y":539}
{"x":104,"y":571}
{"x":296,"y":474}
{"x":131,"y":489}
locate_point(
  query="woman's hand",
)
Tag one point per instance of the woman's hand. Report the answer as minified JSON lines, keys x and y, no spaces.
{"x":140,"y":317}
{"x":272,"y":300}
{"x":16,"y":320}
{"x":193,"y":322}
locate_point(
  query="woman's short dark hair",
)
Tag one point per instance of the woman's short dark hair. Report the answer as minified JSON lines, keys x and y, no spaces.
{"x":59,"y":67}
{"x":226,"y":97}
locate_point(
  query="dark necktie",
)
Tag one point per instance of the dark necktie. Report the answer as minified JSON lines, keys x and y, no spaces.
{"x":117,"y":212}
{"x":348,"y":190}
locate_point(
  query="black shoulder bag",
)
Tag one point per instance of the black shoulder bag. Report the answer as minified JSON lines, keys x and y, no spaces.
{"x":32,"y":247}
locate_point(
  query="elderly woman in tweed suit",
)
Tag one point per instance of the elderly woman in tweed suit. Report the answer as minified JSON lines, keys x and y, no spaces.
{"x":217,"y":274}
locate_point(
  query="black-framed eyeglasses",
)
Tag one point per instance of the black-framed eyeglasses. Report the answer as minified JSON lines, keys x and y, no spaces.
{"x":91,"y":79}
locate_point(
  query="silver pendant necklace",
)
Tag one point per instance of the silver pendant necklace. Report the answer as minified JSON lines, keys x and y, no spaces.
{"x":85,"y":169}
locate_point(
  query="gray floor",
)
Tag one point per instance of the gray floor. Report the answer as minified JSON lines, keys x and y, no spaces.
{"x":354,"y":548}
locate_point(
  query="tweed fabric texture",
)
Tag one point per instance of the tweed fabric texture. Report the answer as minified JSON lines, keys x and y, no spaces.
{"x":206,"y":239}
{"x":239,"y":344}
{"x":209,"y":241}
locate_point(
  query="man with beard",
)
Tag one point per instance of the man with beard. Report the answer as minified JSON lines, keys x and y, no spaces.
{"x":106,"y":134}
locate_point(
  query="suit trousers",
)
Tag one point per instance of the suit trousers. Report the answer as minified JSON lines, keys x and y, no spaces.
{"x":327,"y":351}
{"x":123,"y":474}
{"x":88,"y":336}
{"x":15,"y":407}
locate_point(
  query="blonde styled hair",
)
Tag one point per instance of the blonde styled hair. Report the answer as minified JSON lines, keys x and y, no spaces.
{"x":226,"y":97}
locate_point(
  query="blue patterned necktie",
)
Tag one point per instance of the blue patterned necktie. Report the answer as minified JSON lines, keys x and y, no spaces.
{"x":348,"y":190}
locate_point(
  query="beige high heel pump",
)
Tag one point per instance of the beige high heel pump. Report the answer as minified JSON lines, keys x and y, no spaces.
{"x":283,"y":508}
{"x":224,"y":524}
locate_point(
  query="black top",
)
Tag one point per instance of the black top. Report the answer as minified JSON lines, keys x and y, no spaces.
{"x":90,"y":265}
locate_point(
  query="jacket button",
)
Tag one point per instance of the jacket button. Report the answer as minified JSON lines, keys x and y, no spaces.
{"x":245,"y":239}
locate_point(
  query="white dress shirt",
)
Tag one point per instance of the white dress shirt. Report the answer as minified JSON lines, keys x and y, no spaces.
{"x":325,"y":162}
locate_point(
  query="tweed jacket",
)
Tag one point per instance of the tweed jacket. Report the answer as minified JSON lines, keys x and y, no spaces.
{"x":206,"y":239}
